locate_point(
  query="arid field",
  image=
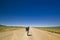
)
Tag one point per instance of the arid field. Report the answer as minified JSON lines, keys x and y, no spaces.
{"x":51,"y":29}
{"x":18,"y":33}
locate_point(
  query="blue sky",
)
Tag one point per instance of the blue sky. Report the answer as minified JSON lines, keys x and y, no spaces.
{"x":30,"y":12}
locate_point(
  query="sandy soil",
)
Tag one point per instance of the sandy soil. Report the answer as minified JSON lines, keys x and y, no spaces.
{"x":36,"y":34}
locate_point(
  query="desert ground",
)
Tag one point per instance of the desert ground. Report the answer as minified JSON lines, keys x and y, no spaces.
{"x":35,"y":34}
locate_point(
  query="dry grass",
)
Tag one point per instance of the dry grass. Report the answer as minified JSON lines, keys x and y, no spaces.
{"x":6,"y":28}
{"x":51,"y":29}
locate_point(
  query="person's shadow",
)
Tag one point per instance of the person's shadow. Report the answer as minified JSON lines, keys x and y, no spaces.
{"x":29,"y":35}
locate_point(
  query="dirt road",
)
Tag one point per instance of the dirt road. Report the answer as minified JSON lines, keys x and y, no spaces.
{"x":36,"y":34}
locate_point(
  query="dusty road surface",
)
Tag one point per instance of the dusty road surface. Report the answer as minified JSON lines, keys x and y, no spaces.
{"x":36,"y":34}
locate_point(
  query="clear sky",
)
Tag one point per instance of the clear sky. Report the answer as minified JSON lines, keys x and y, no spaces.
{"x":30,"y":12}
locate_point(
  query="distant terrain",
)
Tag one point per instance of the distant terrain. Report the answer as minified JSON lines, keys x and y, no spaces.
{"x":50,"y":29}
{"x":4,"y":28}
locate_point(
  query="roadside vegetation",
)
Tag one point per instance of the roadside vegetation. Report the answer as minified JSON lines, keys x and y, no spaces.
{"x":9,"y":28}
{"x":51,"y":29}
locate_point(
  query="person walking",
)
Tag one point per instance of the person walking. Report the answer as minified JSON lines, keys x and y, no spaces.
{"x":27,"y":29}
